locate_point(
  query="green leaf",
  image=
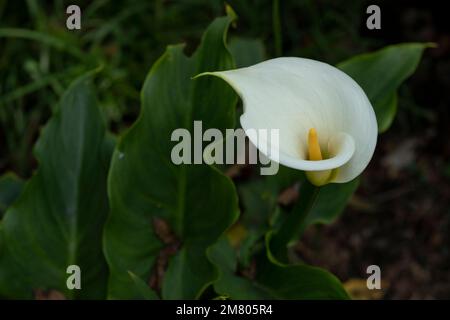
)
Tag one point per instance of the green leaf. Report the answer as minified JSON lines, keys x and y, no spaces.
{"x":57,"y":221}
{"x":247,"y":51}
{"x":12,"y":284}
{"x":381,"y":73}
{"x":260,"y":196}
{"x":300,"y":282}
{"x":10,"y":188}
{"x":229,"y":284}
{"x":315,"y":205}
{"x":259,"y":204}
{"x":159,"y":207}
{"x":297,"y":281}
{"x":330,"y":202}
{"x":143,"y":288}
{"x":292,"y":223}
{"x":261,"y":211}
{"x":259,"y":200}
{"x":272,"y":281}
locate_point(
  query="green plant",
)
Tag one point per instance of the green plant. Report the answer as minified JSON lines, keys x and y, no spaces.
{"x":140,"y":226}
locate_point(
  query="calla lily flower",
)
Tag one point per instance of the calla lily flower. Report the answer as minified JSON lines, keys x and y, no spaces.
{"x":327,"y":125}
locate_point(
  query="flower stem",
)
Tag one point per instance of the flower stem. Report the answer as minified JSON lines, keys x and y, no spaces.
{"x":294,"y":223}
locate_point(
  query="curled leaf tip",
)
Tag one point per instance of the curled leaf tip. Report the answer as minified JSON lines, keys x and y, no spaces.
{"x":230,"y":12}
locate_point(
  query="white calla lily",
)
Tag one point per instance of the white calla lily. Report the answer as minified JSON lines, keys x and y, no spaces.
{"x":327,"y":126}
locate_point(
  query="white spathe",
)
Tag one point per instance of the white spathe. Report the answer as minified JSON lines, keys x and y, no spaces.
{"x":295,"y":95}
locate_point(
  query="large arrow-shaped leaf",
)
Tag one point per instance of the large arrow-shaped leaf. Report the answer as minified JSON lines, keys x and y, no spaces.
{"x":164,"y":216}
{"x":57,"y":221}
{"x":380,"y":73}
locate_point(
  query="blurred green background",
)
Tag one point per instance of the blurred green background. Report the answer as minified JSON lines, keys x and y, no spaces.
{"x":400,"y":216}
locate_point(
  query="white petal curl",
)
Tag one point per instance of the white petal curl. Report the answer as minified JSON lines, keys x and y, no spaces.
{"x":296,"y":94}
